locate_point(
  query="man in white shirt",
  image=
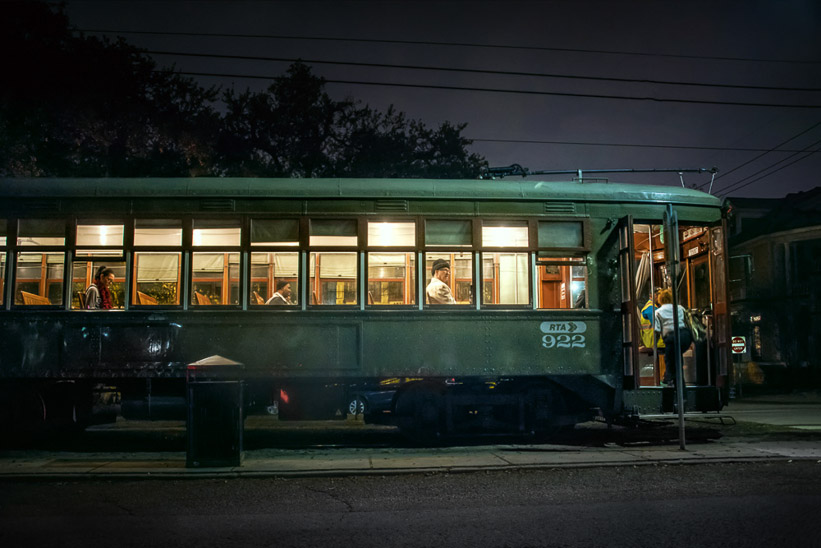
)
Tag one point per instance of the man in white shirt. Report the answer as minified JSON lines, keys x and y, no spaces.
{"x":438,"y":290}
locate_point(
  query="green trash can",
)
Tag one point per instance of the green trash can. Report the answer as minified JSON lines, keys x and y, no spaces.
{"x":215,"y":413}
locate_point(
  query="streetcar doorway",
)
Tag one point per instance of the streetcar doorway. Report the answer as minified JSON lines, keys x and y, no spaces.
{"x":695,"y":282}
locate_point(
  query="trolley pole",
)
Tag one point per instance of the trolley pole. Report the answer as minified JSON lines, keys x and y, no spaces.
{"x":671,"y":229}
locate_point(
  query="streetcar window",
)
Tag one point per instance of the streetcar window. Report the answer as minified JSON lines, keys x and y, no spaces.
{"x":2,"y":261}
{"x":41,"y":232}
{"x":269,"y":268}
{"x":216,"y":233}
{"x":391,"y":278}
{"x":390,"y":234}
{"x":2,"y":277}
{"x":562,"y":283}
{"x":333,"y":232}
{"x":333,"y":278}
{"x":504,"y":234}
{"x":156,"y":278}
{"x":505,"y":278}
{"x":461,"y":273}
{"x":215,"y":278}
{"x":560,"y":234}
{"x":274,"y":232}
{"x":100,"y":235}
{"x":158,"y":232}
{"x":82,"y":276}
{"x":39,"y":279}
{"x":448,"y":233}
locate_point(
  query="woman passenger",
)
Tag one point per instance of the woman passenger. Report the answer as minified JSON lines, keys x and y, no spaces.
{"x":98,"y":295}
{"x":664,"y":326}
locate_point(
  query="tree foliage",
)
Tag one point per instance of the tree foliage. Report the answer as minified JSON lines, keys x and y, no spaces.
{"x":73,"y":105}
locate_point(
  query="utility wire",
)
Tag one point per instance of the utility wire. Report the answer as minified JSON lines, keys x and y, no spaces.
{"x":477,"y":71}
{"x":513,"y":91}
{"x":809,"y":153}
{"x":447,"y":44}
{"x":773,"y":149}
{"x":626,"y":145}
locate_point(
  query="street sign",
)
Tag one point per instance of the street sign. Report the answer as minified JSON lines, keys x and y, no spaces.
{"x":739,"y":345}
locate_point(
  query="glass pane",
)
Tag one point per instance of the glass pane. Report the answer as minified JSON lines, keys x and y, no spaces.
{"x":454,"y":271}
{"x":39,"y":279}
{"x":333,"y":232}
{"x":158,"y":232}
{"x":391,"y":278}
{"x":102,"y":235}
{"x":217,"y":233}
{"x":560,"y":234}
{"x":274,"y":232}
{"x":505,"y":278}
{"x":333,"y":278}
{"x":3,"y":234}
{"x":448,"y":233}
{"x":215,"y":278}
{"x":391,"y":234}
{"x":504,"y":235}
{"x":157,"y":278}
{"x":563,"y":283}
{"x":40,"y":232}
{"x":272,"y":273}
{"x":83,"y":276}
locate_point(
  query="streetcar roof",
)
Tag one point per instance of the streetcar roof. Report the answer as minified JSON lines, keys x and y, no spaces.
{"x":429,"y":189}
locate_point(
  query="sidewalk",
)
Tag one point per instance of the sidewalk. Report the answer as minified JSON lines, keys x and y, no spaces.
{"x":793,"y":419}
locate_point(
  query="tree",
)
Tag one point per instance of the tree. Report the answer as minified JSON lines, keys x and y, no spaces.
{"x":80,"y":106}
{"x":72,"y":105}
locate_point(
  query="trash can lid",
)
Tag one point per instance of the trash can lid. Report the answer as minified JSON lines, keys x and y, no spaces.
{"x":211,"y":361}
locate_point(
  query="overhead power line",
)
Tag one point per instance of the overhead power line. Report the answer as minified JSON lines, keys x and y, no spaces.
{"x":448,"y":44}
{"x":809,"y":153}
{"x":477,"y":71}
{"x":776,"y":148}
{"x":626,"y":145}
{"x":513,"y":91}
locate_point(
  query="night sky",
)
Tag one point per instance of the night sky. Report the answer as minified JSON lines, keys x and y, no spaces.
{"x":749,"y":44}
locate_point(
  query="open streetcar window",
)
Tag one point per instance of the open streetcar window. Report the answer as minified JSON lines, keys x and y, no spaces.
{"x":98,"y":245}
{"x":158,"y":233}
{"x":459,"y":279}
{"x":3,"y":261}
{"x":156,"y":274}
{"x":333,"y":278}
{"x":39,"y":275}
{"x":270,"y":270}
{"x":391,"y":275}
{"x":505,"y":274}
{"x":214,"y":278}
{"x":39,"y":279}
{"x":561,"y":265}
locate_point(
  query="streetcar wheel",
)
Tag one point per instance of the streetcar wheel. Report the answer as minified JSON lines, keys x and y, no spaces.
{"x":418,"y":412}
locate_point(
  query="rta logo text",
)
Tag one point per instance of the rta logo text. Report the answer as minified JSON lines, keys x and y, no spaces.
{"x":563,"y":334}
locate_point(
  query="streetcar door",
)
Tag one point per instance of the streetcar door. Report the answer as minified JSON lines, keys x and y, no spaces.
{"x":627,"y":274}
{"x":721,"y":306}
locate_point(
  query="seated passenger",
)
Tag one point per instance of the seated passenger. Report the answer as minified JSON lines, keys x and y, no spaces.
{"x":98,"y":296}
{"x":282,"y":295}
{"x":438,"y":290}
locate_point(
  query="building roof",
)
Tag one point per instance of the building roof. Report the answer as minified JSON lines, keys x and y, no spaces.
{"x":797,"y":210}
